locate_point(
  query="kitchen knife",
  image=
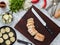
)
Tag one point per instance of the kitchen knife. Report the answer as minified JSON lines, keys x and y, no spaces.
{"x":42,"y":21}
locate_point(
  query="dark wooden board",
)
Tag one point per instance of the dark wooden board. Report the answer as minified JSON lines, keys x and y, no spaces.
{"x":21,"y":27}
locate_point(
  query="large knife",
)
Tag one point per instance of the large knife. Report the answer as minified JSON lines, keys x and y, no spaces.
{"x":42,"y":21}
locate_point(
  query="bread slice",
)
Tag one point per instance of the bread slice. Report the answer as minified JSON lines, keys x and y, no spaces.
{"x":30,"y":19}
{"x":32,"y":31}
{"x":31,"y":26}
{"x":28,"y":24}
{"x":39,"y":37}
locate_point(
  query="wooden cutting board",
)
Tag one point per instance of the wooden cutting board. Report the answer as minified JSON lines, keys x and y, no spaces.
{"x":21,"y":27}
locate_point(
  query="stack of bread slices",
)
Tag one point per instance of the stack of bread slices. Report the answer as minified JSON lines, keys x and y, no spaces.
{"x":32,"y":30}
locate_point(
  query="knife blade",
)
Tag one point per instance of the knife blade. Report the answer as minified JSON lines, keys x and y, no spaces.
{"x":42,"y":21}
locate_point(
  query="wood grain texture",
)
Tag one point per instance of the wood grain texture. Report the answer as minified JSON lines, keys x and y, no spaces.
{"x":21,"y":27}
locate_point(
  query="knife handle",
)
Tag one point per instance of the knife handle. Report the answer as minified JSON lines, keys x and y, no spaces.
{"x":49,"y":30}
{"x":24,"y":42}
